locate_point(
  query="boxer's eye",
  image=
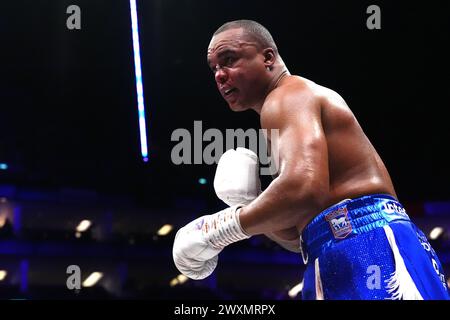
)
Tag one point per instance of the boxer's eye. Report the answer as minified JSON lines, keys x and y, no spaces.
{"x":228,"y":61}
{"x":215,"y":68}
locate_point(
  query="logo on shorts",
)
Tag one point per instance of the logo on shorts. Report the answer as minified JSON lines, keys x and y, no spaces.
{"x":394,"y":210}
{"x":339,"y":223}
{"x":393,"y":206}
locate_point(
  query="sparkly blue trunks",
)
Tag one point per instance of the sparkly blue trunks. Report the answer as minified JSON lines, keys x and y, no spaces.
{"x":368,"y":248}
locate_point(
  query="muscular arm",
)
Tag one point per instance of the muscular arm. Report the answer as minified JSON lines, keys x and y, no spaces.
{"x":302,"y":183}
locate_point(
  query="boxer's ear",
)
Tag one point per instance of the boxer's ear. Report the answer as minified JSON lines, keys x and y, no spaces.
{"x":269,"y":58}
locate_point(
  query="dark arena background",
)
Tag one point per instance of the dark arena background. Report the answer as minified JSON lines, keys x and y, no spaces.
{"x":85,"y":187}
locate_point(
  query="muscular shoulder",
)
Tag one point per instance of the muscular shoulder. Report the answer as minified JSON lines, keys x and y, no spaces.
{"x":295,"y":98}
{"x":334,"y":110}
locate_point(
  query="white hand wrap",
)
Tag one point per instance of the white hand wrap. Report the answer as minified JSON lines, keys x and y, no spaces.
{"x":197,"y":245}
{"x":237,"y":177}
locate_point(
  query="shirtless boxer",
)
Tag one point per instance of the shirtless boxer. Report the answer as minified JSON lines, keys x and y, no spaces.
{"x":333,"y":199}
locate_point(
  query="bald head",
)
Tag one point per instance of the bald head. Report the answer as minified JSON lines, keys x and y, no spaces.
{"x":253,"y":30}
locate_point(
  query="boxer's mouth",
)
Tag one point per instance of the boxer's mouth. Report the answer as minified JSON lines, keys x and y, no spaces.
{"x":229,"y":91}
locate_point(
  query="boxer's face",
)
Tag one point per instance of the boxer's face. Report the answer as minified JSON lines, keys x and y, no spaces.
{"x":239,"y":71}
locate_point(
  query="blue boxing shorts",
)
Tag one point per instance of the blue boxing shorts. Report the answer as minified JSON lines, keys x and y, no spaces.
{"x":368,"y":248}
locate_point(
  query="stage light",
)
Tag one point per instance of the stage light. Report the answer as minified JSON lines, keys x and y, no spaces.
{"x":173,"y":282}
{"x":180,"y":279}
{"x":3,"y":274}
{"x":165,"y":230}
{"x":138,"y":75}
{"x":295,"y":290}
{"x":436,"y":233}
{"x":202,"y":181}
{"x":3,"y":221}
{"x":93,"y":278}
{"x":3,"y":166}
{"x":84,"y":225}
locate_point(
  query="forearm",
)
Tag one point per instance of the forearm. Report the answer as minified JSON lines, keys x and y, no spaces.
{"x":281,"y":206}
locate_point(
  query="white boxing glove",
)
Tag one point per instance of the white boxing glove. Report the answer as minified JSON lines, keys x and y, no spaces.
{"x":197,"y":245}
{"x":237,"y":177}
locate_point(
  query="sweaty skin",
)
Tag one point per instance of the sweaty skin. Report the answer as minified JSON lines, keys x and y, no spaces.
{"x":324,"y":155}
